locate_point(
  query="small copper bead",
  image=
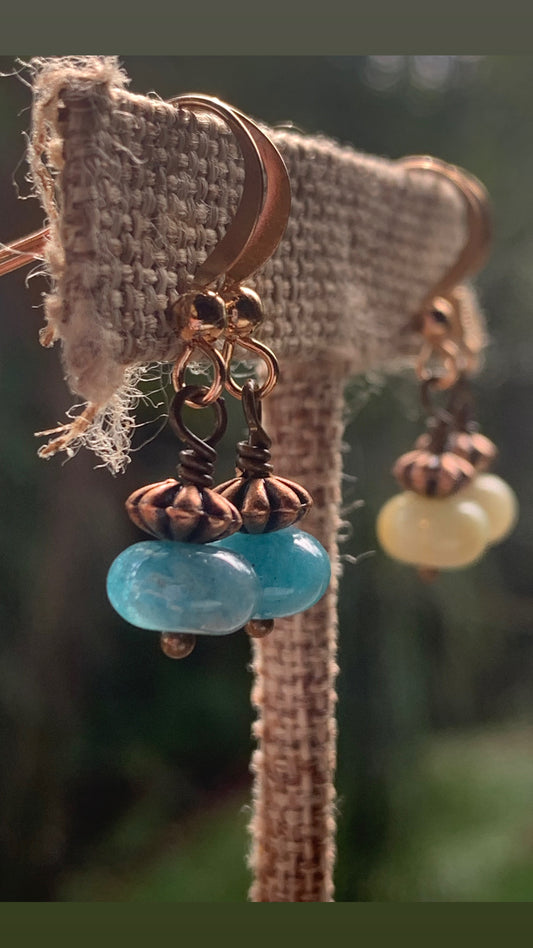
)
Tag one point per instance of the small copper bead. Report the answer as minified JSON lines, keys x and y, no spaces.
{"x":177,"y":644}
{"x":200,"y":316}
{"x":170,"y":510}
{"x":259,"y":628}
{"x":432,"y":475}
{"x":245,"y":312}
{"x":266,"y":504}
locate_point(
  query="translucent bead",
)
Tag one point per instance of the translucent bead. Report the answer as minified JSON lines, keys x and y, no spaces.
{"x":293,"y":569}
{"x":183,"y":587}
{"x":442,"y":533}
{"x":498,"y":501}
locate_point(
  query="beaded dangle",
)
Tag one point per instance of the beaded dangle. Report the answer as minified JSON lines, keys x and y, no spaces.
{"x":451,"y":509}
{"x":179,"y":584}
{"x":292,"y":566}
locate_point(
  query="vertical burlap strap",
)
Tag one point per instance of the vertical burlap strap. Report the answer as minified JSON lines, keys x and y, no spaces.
{"x":137,"y":193}
{"x":293,"y":826}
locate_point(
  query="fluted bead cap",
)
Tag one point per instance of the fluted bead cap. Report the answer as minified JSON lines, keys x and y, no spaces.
{"x":432,"y":475}
{"x":266,"y":504}
{"x":170,"y":510}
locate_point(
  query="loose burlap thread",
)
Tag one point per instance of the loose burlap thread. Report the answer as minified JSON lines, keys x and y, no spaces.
{"x":137,"y":193}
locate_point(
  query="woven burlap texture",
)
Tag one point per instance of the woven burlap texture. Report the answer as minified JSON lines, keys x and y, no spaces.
{"x":293,"y":825}
{"x":137,"y":192}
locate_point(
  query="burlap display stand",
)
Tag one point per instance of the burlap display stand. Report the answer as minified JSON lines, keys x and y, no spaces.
{"x":137,"y":192}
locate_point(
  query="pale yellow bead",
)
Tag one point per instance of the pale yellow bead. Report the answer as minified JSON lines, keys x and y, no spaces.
{"x":498,"y":501}
{"x":442,"y":533}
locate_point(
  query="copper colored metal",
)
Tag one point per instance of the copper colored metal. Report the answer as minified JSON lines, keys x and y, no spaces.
{"x":199,"y":316}
{"x":170,"y":510}
{"x":453,"y":428}
{"x":475,"y":447}
{"x":265,"y":502}
{"x":438,"y":318}
{"x":244,"y":312}
{"x":258,"y":349}
{"x":477,"y":205}
{"x":188,"y":509}
{"x":259,"y":628}
{"x":177,"y":644}
{"x":23,"y":251}
{"x":264,"y":208}
{"x":260,"y":220}
{"x":432,"y":475}
{"x":211,"y":394}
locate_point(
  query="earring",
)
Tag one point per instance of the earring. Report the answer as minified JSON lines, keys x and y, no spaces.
{"x":162,"y":585}
{"x":193,"y":580}
{"x":451,"y":509}
{"x":293,"y":568}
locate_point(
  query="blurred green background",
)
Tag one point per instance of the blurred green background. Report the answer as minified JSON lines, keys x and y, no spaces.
{"x":125,"y":775}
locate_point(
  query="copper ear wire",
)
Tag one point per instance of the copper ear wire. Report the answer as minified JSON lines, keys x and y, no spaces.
{"x":260,"y":220}
{"x":257,"y":236}
{"x":438,"y":319}
{"x":239,"y":234}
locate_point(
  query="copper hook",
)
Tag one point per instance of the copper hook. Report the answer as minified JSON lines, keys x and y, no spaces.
{"x":438,"y":319}
{"x":475,"y":252}
{"x":259,"y":222}
{"x":245,"y":248}
{"x":263,"y":212}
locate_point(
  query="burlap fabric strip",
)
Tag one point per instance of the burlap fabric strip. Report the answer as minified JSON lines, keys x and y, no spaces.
{"x":137,"y":193}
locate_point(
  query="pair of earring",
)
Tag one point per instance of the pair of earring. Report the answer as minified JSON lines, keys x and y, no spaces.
{"x":225,"y":557}
{"x":451,"y":508}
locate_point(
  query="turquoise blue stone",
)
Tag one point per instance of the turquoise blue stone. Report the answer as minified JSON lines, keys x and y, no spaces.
{"x":183,"y":587}
{"x":293,"y":569}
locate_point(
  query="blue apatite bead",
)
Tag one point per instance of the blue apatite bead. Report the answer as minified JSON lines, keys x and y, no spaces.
{"x":183,"y":587}
{"x":293,"y":569}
